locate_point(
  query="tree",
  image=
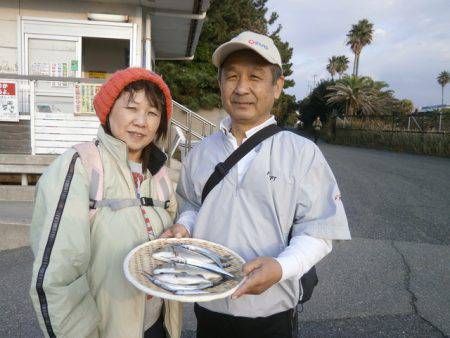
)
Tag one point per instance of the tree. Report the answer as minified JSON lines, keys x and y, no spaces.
{"x":351,"y":96}
{"x":332,"y":66}
{"x":359,"y":36}
{"x":443,"y":78}
{"x":315,"y":104}
{"x":406,"y":107}
{"x":354,"y":95}
{"x":194,"y":83}
{"x":341,"y":65}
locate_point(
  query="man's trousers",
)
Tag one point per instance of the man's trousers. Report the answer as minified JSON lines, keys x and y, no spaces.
{"x":218,"y":325}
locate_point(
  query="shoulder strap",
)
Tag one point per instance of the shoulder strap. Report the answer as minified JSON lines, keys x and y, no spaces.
{"x":90,"y":158}
{"x":222,"y":168}
{"x":163,"y":184}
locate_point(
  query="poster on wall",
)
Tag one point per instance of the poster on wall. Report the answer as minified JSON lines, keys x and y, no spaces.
{"x":59,"y":70}
{"x":84,"y":98}
{"x":40,"y":68}
{"x":9,"y":110}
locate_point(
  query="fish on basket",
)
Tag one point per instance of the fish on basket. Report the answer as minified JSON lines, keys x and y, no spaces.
{"x":189,"y":269}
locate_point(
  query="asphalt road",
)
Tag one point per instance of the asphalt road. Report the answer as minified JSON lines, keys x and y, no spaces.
{"x":391,"y":280}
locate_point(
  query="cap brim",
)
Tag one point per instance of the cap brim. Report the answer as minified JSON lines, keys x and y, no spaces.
{"x":223,"y":51}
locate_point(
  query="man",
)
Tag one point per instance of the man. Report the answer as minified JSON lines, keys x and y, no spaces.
{"x":317,"y":126}
{"x":284,"y":182}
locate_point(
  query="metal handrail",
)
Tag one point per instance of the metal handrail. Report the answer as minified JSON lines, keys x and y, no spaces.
{"x":186,"y":129}
{"x":187,"y":110}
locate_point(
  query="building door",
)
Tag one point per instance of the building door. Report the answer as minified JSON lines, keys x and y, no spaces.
{"x":61,"y":112}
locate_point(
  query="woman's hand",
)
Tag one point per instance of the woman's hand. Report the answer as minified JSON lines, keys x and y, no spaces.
{"x":177,"y":230}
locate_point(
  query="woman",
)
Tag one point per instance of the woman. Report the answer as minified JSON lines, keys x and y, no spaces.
{"x":78,"y":286}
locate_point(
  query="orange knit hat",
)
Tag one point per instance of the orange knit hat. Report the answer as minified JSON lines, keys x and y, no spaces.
{"x":111,"y":89}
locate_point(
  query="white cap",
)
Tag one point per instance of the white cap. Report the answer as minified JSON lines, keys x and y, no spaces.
{"x":261,"y":44}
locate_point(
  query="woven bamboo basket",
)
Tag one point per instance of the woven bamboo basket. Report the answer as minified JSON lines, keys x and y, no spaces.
{"x":140,"y":260}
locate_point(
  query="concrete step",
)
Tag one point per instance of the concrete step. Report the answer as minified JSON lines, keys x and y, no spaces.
{"x":26,"y":193}
{"x":14,"y":235}
{"x":17,"y":193}
{"x":20,"y":159}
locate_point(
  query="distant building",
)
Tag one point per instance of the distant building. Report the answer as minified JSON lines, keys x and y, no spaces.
{"x":426,"y":109}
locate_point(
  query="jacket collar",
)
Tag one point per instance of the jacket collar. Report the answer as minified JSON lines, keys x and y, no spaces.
{"x":119,"y":151}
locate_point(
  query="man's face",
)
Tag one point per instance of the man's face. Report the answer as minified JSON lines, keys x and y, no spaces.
{"x":247,"y":87}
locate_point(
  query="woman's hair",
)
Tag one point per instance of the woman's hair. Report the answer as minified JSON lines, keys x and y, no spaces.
{"x":156,"y":98}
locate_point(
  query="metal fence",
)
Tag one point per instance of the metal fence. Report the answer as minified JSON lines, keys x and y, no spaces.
{"x":432,"y":122}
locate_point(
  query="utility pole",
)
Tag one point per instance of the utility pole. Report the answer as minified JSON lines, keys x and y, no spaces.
{"x":314,"y":76}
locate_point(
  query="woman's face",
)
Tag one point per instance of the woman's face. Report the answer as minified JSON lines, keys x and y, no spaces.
{"x":135,"y":122}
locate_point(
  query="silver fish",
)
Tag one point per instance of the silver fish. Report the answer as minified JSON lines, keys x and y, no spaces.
{"x":185,"y":258}
{"x":191,"y":292}
{"x":213,"y":256}
{"x":189,"y":269}
{"x":175,"y":287}
{"x":181,"y":278}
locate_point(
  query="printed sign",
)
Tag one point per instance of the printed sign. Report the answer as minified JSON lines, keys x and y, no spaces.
{"x":58,"y":70}
{"x":9,"y":111}
{"x":74,"y":65}
{"x":84,"y":98}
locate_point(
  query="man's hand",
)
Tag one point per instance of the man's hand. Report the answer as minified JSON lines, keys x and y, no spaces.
{"x":177,"y":230}
{"x":262,"y":273}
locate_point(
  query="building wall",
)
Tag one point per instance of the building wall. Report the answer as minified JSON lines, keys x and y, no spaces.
{"x":10,"y":10}
{"x":15,"y":136}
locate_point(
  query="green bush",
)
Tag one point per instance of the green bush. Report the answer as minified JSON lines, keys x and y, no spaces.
{"x":418,"y":143}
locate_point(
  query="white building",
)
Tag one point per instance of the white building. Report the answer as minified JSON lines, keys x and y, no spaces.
{"x":80,"y":39}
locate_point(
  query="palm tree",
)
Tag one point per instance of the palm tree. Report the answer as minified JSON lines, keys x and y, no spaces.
{"x":355,"y":95}
{"x":352,"y":95}
{"x":359,"y":36}
{"x":443,"y":78}
{"x":342,"y":65}
{"x":332,"y":66}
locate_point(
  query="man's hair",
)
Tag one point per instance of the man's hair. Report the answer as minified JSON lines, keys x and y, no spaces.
{"x":276,"y":71}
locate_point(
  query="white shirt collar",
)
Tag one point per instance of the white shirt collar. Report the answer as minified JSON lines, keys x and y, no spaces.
{"x":225,"y":126}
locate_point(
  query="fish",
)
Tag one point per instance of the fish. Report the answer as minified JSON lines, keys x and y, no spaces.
{"x":191,"y":292}
{"x":190,"y":259}
{"x":189,"y":269}
{"x":182,"y":278}
{"x":213,"y":256}
{"x":175,"y":287}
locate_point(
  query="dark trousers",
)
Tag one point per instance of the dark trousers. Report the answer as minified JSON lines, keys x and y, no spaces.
{"x":316,"y":135}
{"x":218,"y":325}
{"x":156,"y":330}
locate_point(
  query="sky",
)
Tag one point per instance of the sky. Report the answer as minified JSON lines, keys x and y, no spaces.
{"x":410,"y":47}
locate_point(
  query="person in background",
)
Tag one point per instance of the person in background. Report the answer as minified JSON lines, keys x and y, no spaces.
{"x":283,"y":184}
{"x":317,"y":126}
{"x":78,"y":285}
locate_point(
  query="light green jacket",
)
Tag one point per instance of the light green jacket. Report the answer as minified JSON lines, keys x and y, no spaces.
{"x":78,"y":285}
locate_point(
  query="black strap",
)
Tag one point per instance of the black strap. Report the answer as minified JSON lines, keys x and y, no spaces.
{"x":49,"y":247}
{"x":309,"y":280}
{"x":150,"y":202}
{"x":222,"y":168}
